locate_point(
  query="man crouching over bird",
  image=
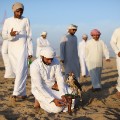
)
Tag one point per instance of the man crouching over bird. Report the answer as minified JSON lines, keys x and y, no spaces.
{"x":45,"y":71}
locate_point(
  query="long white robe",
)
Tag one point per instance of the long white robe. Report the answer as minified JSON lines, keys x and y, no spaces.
{"x":95,"y":50}
{"x":81,"y":54}
{"x":20,"y":46}
{"x":8,"y":68}
{"x":69,"y":53}
{"x":115,"y":43}
{"x":43,"y":78}
{"x":40,"y":44}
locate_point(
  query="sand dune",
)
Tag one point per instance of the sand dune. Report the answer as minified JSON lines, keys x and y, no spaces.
{"x":103,"y":105}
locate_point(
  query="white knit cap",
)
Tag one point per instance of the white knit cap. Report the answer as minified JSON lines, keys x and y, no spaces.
{"x":17,"y":5}
{"x":48,"y":52}
{"x":72,"y":27}
{"x":43,"y":33}
{"x":84,"y":36}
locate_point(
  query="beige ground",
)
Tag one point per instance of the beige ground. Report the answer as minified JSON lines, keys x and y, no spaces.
{"x":102,"y":105}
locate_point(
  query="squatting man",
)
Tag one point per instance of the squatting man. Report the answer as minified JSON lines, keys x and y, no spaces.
{"x":45,"y":71}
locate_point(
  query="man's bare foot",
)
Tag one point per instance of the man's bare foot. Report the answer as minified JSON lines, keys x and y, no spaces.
{"x":118,"y":94}
{"x":22,"y":97}
{"x":36,"y":104}
{"x":13,"y":98}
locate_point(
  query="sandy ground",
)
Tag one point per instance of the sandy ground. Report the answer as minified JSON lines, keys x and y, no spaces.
{"x":103,"y":105}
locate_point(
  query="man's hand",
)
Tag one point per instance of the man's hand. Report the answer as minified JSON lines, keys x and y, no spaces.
{"x":29,"y":56}
{"x":108,"y":60}
{"x":13,"y":33}
{"x":64,"y":98}
{"x":119,"y":54}
{"x":59,"y":102}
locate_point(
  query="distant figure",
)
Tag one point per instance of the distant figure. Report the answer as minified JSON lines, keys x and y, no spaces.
{"x":81,"y":53}
{"x":41,"y":42}
{"x":1,"y":41}
{"x":69,"y":52}
{"x":95,"y":49}
{"x":17,"y":31}
{"x":4,"y":50}
{"x":8,"y":68}
{"x":45,"y":71}
{"x":115,"y":43}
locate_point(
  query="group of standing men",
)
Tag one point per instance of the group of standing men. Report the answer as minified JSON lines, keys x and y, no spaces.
{"x":45,"y":71}
{"x":89,"y":52}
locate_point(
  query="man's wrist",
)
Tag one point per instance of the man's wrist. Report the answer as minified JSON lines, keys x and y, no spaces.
{"x":52,"y":100}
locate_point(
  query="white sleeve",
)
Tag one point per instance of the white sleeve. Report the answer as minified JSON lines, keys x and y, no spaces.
{"x":37,"y":81}
{"x":79,"y":49}
{"x":48,"y":43}
{"x":5,"y":32}
{"x":113,"y":43}
{"x":105,"y":50}
{"x":38,"y":48}
{"x":60,"y":80}
{"x":86,"y":51}
{"x":29,"y":38}
{"x":62,"y":48}
{"x":39,"y":43}
{"x":4,"y":48}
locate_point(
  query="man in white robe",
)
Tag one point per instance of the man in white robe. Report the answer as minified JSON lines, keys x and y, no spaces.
{"x":17,"y":31}
{"x":115,"y":43}
{"x":41,"y":43}
{"x":8,"y":68}
{"x":45,"y":71}
{"x":69,"y":52}
{"x":95,"y":49}
{"x":81,"y":54}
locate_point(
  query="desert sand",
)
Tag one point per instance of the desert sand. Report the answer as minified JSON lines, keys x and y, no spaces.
{"x":103,"y":105}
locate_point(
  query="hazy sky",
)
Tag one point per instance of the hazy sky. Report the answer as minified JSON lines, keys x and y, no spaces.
{"x":54,"y":16}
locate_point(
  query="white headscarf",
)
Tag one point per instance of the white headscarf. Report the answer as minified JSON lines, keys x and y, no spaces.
{"x":84,"y":36}
{"x":17,"y":5}
{"x":72,"y":27}
{"x":44,"y":33}
{"x":48,"y":52}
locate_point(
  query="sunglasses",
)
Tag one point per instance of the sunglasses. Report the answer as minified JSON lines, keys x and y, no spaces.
{"x":74,"y":29}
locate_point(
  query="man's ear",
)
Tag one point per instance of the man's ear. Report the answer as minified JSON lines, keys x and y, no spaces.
{"x":42,"y":58}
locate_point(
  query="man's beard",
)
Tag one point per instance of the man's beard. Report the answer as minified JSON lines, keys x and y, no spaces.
{"x":45,"y":62}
